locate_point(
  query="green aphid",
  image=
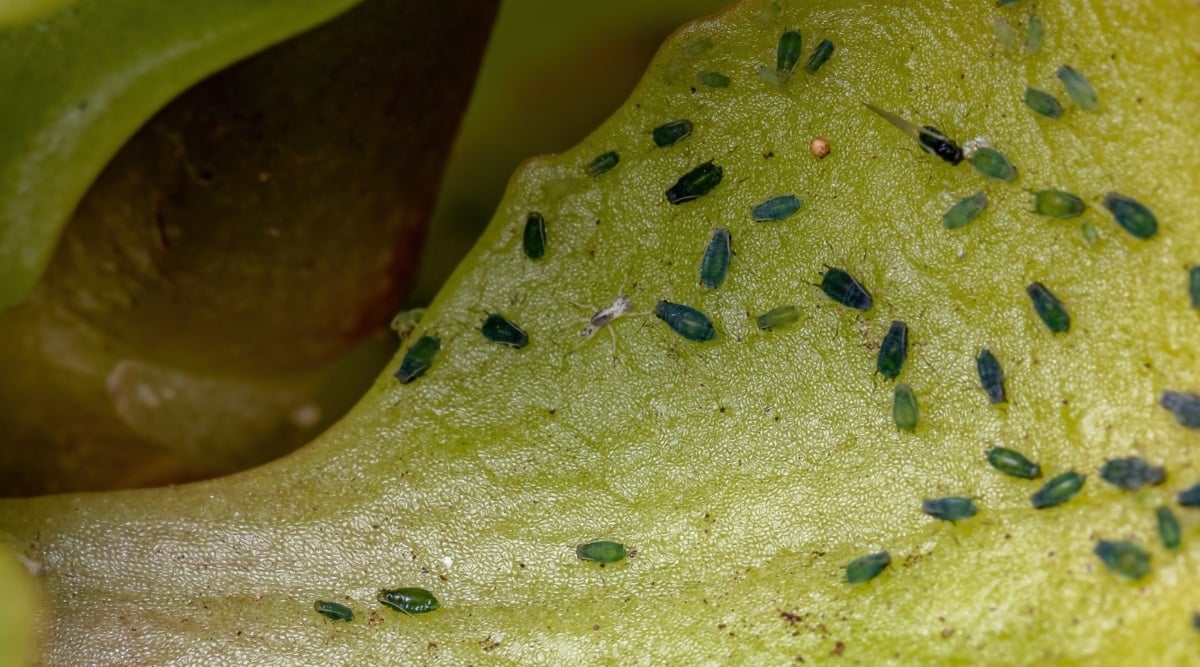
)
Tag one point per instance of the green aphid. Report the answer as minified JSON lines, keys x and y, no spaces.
{"x":500,"y":329}
{"x":866,"y":568}
{"x":952,"y":508}
{"x":1058,"y":204}
{"x":819,"y":57}
{"x":839,"y":285}
{"x":1190,"y":497}
{"x":712,"y":79}
{"x":1196,"y":620}
{"x":1078,"y":87}
{"x":603,"y":163}
{"x":778,"y":317}
{"x":686,"y":321}
{"x":1184,"y":406}
{"x":787,"y":54}
{"x":776,"y":208}
{"x":930,"y":138}
{"x":418,"y":359}
{"x":1049,"y":308}
{"x":699,"y":47}
{"x":905,"y":412}
{"x":696,"y":183}
{"x":715,"y":263}
{"x":669,"y":134}
{"x":411,"y":601}
{"x":535,"y":236}
{"x":893,"y":350}
{"x":1124,"y":558}
{"x":1043,"y":103}
{"x":1035,"y":34}
{"x":1131,"y":214}
{"x":1090,"y":235}
{"x":991,"y":376}
{"x":1058,"y":490}
{"x":992,"y":163}
{"x":1194,"y":286}
{"x":1013,"y":463}
{"x":1132,"y":473}
{"x":333,"y":611}
{"x":601,"y":551}
{"x":964,"y":211}
{"x":1168,"y":528}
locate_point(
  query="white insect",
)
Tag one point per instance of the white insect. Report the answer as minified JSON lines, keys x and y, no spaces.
{"x":622,"y":305}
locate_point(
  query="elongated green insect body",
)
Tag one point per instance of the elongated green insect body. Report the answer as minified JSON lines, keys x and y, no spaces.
{"x":1132,"y":473}
{"x":686,"y":321}
{"x":715,"y":263}
{"x":1035,"y":33}
{"x":418,"y":359}
{"x":952,"y":508}
{"x":776,"y":208}
{"x":1184,"y":406}
{"x":1131,"y":215}
{"x":839,"y":285}
{"x":819,"y":57}
{"x":535,"y":236}
{"x":1058,"y":490}
{"x":905,"y":411}
{"x":601,"y":551}
{"x":991,"y":376}
{"x":1089,"y":233}
{"x":696,"y":183}
{"x":712,"y":79}
{"x":966,"y":210}
{"x":893,"y":350}
{"x":1013,"y":463}
{"x":333,"y":611}
{"x":1078,"y":88}
{"x":409,"y":600}
{"x":866,"y":568}
{"x":1194,"y":286}
{"x":603,"y":163}
{"x":669,"y":134}
{"x":787,"y":54}
{"x":1190,"y":497}
{"x":500,"y":329}
{"x":1058,"y":204}
{"x":992,"y":163}
{"x":1043,"y":103}
{"x":1168,"y":527}
{"x":1052,"y":311}
{"x":1123,"y":558}
{"x":778,"y":317}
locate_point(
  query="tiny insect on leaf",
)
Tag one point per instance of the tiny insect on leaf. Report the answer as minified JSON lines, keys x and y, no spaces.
{"x":839,"y":285}
{"x":964,"y":211}
{"x":715,"y":263}
{"x":713,"y":79}
{"x":500,"y":329}
{"x":1131,"y":215}
{"x":991,"y":376}
{"x":1043,"y":103}
{"x":1035,"y":34}
{"x":1184,"y":406}
{"x":418,"y":359}
{"x":819,"y":57}
{"x":409,"y":600}
{"x":334,"y":611}
{"x":776,"y":208}
{"x":1051,"y":311}
{"x":1190,"y":497}
{"x":534,"y":241}
{"x":952,"y":508}
{"x":601,"y":551}
{"x":1058,"y":490}
{"x":1194,"y":286}
{"x":1058,"y":204}
{"x":669,"y":134}
{"x":686,"y":321}
{"x":778,"y":317}
{"x":992,"y":163}
{"x":603,"y":163}
{"x":1123,"y":558}
{"x":1132,"y":473}
{"x":893,"y":350}
{"x":696,"y":183}
{"x":1013,"y":463}
{"x":1078,"y":88}
{"x":929,"y":137}
{"x":787,"y":54}
{"x":866,"y":568}
{"x":1168,"y":527}
{"x":905,"y":411}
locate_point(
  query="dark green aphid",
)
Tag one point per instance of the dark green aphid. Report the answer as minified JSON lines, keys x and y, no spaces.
{"x":499,"y":329}
{"x":715,"y":263}
{"x":1185,"y":407}
{"x":1168,"y":527}
{"x":1043,"y":103}
{"x":964,"y":211}
{"x":669,"y":134}
{"x":1058,"y":204}
{"x":787,"y":54}
{"x":840,"y":286}
{"x":1078,"y":87}
{"x":1131,"y":214}
{"x":409,"y":600}
{"x":1034,"y":34}
{"x":820,"y":56}
{"x":1194,"y":285}
{"x":686,"y":321}
{"x":603,"y":163}
{"x":535,"y":236}
{"x":1013,"y":463}
{"x":1190,"y":497}
{"x":1196,"y":620}
{"x":930,"y":138}
{"x":991,"y":376}
{"x":776,"y":208}
{"x":333,"y":611}
{"x":905,"y":412}
{"x":866,"y":568}
{"x":952,"y":508}
{"x":602,"y":551}
{"x":1049,"y":308}
{"x":696,"y":183}
{"x":418,"y":359}
{"x":1124,"y":558}
{"x":1058,"y":490}
{"x":712,"y":79}
{"x":778,"y":317}
{"x":1131,"y":473}
{"x":992,"y":163}
{"x":893,"y":350}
